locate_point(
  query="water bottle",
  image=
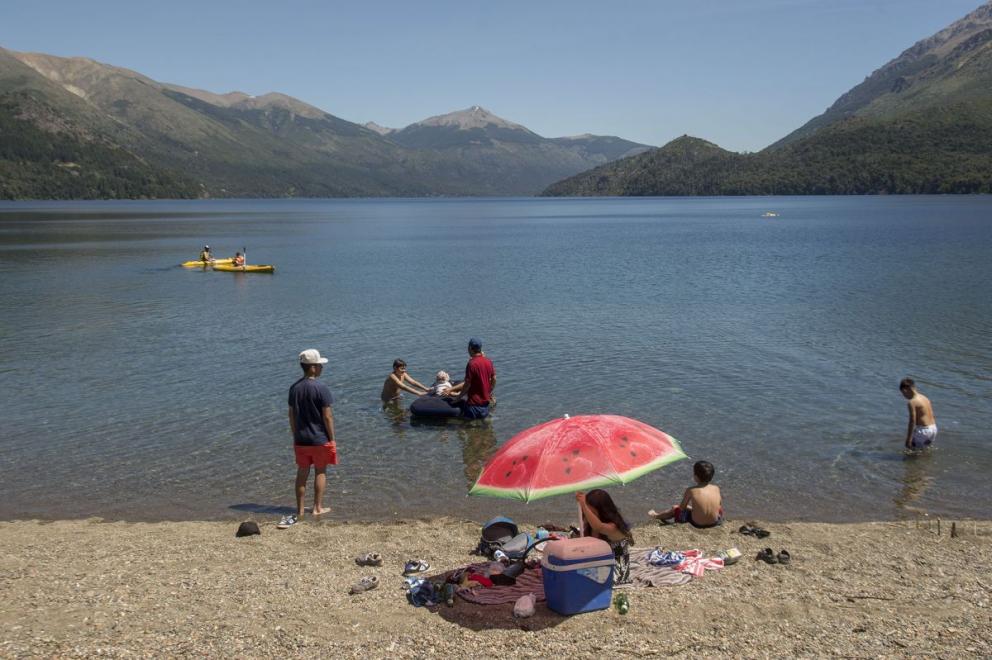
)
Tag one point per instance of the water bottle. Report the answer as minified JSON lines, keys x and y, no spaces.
{"x":621,"y":603}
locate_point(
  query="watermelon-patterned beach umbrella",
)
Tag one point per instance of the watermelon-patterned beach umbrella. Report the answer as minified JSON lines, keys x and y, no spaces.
{"x":575,"y":453}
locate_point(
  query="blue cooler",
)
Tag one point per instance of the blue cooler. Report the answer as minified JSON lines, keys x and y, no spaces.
{"x":578,"y":575}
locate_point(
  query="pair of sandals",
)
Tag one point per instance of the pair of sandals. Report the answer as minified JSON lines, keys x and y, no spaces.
{"x":769,"y":557}
{"x":751,"y":530}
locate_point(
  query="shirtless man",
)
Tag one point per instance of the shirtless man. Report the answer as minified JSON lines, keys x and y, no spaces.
{"x":702,"y":505}
{"x":396,"y":384}
{"x":922,"y":429}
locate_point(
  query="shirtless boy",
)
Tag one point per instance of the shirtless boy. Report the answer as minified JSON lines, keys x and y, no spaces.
{"x":397,"y":383}
{"x":701,"y":504}
{"x":922,"y":429}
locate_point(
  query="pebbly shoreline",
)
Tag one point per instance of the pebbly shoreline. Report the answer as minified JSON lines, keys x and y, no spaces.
{"x":85,"y":588}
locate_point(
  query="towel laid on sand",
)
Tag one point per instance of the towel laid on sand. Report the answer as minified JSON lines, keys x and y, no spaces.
{"x":645,"y":574}
{"x":531,"y":581}
{"x":528,"y":582}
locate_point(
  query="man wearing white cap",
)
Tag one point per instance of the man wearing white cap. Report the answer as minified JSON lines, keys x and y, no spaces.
{"x":312,"y":424}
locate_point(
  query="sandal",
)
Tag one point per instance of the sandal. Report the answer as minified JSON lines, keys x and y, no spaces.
{"x":766,"y":556}
{"x":753,"y":530}
{"x":784,"y":557}
{"x":416,"y":566}
{"x":367,"y":583}
{"x":369,"y":559}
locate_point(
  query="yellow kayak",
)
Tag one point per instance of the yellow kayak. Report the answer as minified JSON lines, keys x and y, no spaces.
{"x":203,"y":264}
{"x":250,"y":268}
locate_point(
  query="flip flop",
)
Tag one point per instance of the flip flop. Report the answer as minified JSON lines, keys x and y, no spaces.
{"x":416,"y":566}
{"x":369,"y":559}
{"x":760,"y":533}
{"x":784,"y":557}
{"x":287,"y":521}
{"x":746,"y":530}
{"x":367,"y":583}
{"x":766,"y":556}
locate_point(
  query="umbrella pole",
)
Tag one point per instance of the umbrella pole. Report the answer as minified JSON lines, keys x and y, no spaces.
{"x":582,"y":526}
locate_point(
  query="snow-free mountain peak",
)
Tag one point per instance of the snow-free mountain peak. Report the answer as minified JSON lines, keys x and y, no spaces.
{"x":469,"y":118}
{"x":381,"y":130}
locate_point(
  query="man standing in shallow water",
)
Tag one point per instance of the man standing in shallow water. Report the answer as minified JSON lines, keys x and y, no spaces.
{"x":480,"y":379}
{"x":922,"y":429}
{"x":312,"y":425}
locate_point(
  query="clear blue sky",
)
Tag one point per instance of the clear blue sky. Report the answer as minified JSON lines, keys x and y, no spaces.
{"x":740,"y":73}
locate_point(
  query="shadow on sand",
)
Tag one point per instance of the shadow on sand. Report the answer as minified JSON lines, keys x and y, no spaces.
{"x":497,"y":617}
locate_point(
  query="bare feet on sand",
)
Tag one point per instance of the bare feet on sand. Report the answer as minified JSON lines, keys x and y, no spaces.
{"x":321,"y":511}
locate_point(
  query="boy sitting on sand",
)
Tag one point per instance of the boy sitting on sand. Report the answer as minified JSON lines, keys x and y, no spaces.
{"x":701,"y":504}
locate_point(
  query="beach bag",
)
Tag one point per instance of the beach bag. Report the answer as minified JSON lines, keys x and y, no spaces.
{"x":495,"y":534}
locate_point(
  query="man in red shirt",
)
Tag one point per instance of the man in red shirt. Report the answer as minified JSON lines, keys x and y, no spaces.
{"x":477,"y":388}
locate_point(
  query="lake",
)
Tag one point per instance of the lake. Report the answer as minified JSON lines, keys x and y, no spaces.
{"x":133,"y":388}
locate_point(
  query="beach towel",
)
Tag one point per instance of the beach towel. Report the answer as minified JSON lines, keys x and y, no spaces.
{"x":529,"y":582}
{"x":642,"y":574}
{"x":645,"y":574}
{"x":696,"y":566}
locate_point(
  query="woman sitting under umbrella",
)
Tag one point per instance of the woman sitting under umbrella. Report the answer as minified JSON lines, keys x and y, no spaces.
{"x":603,"y":520}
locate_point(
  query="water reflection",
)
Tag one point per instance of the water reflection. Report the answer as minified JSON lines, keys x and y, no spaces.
{"x":397,"y":415}
{"x":478,"y":444}
{"x":916,"y":480}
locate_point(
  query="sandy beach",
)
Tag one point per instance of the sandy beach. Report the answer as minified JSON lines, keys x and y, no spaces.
{"x":88,"y":587}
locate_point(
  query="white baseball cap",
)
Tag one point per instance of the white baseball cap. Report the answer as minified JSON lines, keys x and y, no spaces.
{"x":312,"y":356}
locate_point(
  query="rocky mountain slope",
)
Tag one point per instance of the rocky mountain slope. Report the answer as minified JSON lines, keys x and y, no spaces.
{"x":74,"y":127}
{"x":920,"y":124}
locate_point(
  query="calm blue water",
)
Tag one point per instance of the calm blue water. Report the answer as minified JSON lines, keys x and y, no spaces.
{"x":130,"y":387}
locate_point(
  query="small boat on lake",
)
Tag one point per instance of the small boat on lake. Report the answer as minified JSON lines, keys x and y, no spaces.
{"x":196,"y":263}
{"x":251,"y":268}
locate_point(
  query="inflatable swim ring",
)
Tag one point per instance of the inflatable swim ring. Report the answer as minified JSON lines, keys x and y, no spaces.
{"x":435,"y":406}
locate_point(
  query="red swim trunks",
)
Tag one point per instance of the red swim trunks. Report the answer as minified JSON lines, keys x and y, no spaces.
{"x":319,"y":456}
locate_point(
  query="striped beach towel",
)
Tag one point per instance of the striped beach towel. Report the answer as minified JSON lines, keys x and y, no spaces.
{"x":528,"y":582}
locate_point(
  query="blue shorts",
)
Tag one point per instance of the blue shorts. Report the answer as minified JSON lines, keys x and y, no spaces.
{"x":474,"y":412}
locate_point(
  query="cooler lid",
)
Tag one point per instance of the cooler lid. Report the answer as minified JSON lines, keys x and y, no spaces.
{"x":584,"y":548}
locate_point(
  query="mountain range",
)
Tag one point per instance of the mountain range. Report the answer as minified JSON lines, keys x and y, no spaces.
{"x":76,"y":128}
{"x":922,"y":123}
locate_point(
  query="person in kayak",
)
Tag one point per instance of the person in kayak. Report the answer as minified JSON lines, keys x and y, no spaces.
{"x":400,"y":381}
{"x":477,"y":388}
{"x":311,"y":423}
{"x":238,"y":259}
{"x":205,"y":254}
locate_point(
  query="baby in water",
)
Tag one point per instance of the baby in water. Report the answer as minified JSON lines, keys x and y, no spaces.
{"x":442,"y":383}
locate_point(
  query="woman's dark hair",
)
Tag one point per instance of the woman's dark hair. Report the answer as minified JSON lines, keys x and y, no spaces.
{"x":601,"y":502}
{"x":397,"y":363}
{"x":704,"y":471}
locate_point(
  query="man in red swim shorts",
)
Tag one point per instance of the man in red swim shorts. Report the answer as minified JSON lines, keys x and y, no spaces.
{"x":312,"y":424}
